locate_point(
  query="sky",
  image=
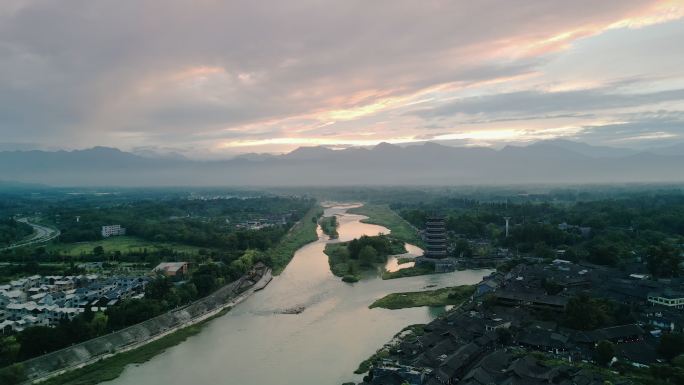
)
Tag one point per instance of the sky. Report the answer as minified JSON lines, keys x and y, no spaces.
{"x":210,"y":79}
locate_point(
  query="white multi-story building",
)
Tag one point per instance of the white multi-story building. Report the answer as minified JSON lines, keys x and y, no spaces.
{"x":113,"y":230}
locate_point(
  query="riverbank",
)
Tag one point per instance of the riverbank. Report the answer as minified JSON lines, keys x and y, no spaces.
{"x":440,"y":297}
{"x":260,"y":331}
{"x":382,"y":215}
{"x":110,"y":368}
{"x":408,"y":333}
{"x":67,"y":363}
{"x":302,"y":233}
{"x":412,"y":271}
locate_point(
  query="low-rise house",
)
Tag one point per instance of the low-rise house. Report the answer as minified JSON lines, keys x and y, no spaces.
{"x":404,"y":374}
{"x":64,"y":284}
{"x":485,"y":287}
{"x":6,"y":327}
{"x":172,"y":269}
{"x":51,"y":299}
{"x":543,"y":340}
{"x":14,"y":296}
{"x":532,"y":300}
{"x":664,"y":319}
{"x":668,"y":298}
{"x":615,"y":334}
{"x":456,"y":365}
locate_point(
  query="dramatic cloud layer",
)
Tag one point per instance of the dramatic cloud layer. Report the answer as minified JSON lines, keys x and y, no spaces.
{"x":212,"y":78}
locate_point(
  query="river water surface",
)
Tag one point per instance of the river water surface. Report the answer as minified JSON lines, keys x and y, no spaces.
{"x":256,"y":344}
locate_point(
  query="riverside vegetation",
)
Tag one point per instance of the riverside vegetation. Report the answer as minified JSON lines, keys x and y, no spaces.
{"x":329,"y":226}
{"x":348,"y":259}
{"x":440,"y":297}
{"x":384,"y":216}
{"x":300,"y":234}
{"x":409,"y":333}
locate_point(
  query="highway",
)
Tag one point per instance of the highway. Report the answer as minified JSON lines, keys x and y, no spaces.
{"x":41,"y":234}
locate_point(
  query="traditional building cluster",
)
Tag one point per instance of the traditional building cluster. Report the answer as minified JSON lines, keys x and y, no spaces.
{"x":47,"y":300}
{"x":492,"y":338}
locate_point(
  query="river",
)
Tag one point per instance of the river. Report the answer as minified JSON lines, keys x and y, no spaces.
{"x":256,"y":344}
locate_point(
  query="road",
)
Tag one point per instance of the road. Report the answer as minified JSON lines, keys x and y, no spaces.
{"x":41,"y":234}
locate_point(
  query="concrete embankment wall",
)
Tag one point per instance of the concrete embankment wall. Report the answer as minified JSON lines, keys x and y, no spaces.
{"x":137,"y":335}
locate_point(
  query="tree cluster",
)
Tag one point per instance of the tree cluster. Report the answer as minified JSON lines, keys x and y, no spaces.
{"x":12,"y":231}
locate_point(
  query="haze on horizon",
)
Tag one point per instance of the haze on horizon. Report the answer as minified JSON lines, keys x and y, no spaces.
{"x":211,"y":79}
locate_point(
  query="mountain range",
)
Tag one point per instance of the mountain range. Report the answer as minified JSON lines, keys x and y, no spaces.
{"x":547,"y":162}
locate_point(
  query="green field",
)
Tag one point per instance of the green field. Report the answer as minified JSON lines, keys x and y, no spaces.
{"x":124,"y":245}
{"x":384,"y":216}
{"x":300,"y":234}
{"x":440,"y":297}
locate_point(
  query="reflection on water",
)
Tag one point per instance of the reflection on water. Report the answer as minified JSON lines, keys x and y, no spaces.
{"x":412,"y":251}
{"x":256,"y":344}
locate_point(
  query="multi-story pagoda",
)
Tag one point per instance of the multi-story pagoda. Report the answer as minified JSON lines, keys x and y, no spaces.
{"x":435,"y":238}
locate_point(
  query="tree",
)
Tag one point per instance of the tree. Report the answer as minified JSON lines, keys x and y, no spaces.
{"x":367,"y":255}
{"x":39,"y":340}
{"x":98,"y":250}
{"x":602,"y":252}
{"x":663,"y":261}
{"x":678,"y":361}
{"x":504,"y":336}
{"x":605,"y":351}
{"x":551,"y":287}
{"x":671,"y":345}
{"x":12,"y":375}
{"x":463,"y":249}
{"x":98,"y":324}
{"x":542,"y":250}
{"x":585,"y":313}
{"x":9,"y":350}
{"x":159,"y":288}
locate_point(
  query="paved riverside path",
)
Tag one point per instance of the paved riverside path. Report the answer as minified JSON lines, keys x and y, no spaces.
{"x":132,"y":337}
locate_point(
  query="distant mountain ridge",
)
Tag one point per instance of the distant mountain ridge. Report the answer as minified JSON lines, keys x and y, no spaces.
{"x":556,"y":161}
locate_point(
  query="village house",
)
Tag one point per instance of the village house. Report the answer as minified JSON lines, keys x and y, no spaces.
{"x":172,"y":269}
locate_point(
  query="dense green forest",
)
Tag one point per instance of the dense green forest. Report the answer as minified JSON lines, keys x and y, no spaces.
{"x":12,"y":231}
{"x":213,"y":224}
{"x":617,"y":231}
{"x":197,"y":222}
